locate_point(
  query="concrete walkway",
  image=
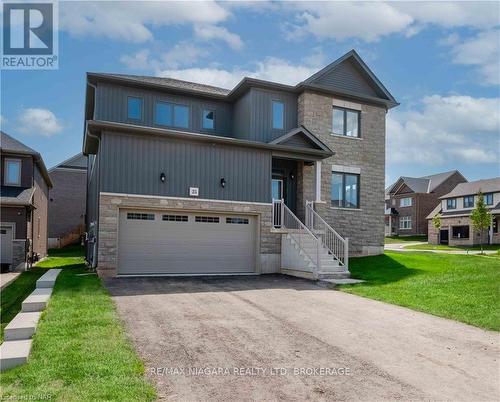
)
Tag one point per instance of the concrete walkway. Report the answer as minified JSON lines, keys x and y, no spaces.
{"x":7,"y":278}
{"x":402,"y":247}
{"x":274,"y":334}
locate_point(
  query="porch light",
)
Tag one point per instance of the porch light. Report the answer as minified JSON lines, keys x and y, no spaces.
{"x":162,"y":177}
{"x":292,"y":176}
{"x":223,"y":182}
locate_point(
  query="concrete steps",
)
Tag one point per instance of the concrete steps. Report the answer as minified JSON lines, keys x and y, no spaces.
{"x":17,"y":345}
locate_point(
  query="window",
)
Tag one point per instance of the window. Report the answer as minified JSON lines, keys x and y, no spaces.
{"x":405,"y":202}
{"x":140,"y":216}
{"x":345,"y":190}
{"x":278,"y":115}
{"x":208,"y":119}
{"x":206,"y":219}
{"x":469,"y":201}
{"x":12,"y":172}
{"x":238,"y":221}
{"x":405,"y":222}
{"x":345,"y":122}
{"x":172,"y":115}
{"x":460,"y":232}
{"x":134,"y":108}
{"x":175,"y":218}
{"x":496,"y":222}
{"x":488,"y":199}
{"x":451,"y":203}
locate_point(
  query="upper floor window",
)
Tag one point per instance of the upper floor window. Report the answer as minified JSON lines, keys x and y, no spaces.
{"x":405,"y":202}
{"x":345,"y":190}
{"x":208,"y":119}
{"x":171,"y":114}
{"x":451,"y":203}
{"x":12,"y":175}
{"x":488,"y":199}
{"x":134,"y":108}
{"x":469,"y":201}
{"x":345,"y":122}
{"x":278,"y":115}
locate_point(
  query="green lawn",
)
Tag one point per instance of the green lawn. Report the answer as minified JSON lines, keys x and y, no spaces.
{"x":461,"y":287}
{"x":445,"y":247}
{"x":80,"y":352}
{"x":403,"y":239}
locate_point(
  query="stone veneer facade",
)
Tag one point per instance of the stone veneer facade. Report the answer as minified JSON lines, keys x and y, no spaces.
{"x":269,"y":247}
{"x":474,"y":235}
{"x":364,"y":226}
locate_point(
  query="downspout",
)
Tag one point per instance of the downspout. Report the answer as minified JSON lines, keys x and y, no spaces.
{"x":94,"y":240}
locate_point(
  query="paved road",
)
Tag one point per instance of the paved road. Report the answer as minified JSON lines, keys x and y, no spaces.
{"x":265,"y":322}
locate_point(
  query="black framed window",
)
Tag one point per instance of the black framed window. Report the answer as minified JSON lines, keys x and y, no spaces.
{"x":208,"y":119}
{"x":488,"y":199}
{"x":451,"y":203}
{"x":345,"y":122}
{"x":345,"y":190}
{"x":460,"y":232}
{"x":134,"y":108}
{"x":171,"y":114}
{"x":278,"y":115}
{"x":12,"y":172}
{"x":469,"y":201}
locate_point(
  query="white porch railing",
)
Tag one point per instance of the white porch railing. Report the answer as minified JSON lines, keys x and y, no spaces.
{"x":310,"y":245}
{"x":335,"y":243}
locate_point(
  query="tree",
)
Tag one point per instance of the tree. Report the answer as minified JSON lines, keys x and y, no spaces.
{"x":480,"y":217}
{"x":436,"y":222}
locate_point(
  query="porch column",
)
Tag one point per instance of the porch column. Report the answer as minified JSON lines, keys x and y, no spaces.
{"x":317,"y":175}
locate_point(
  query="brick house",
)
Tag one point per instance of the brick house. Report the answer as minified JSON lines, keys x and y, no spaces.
{"x":67,"y":201}
{"x":25,"y":185}
{"x":187,"y":178}
{"x":410,"y":200}
{"x":455,"y":209}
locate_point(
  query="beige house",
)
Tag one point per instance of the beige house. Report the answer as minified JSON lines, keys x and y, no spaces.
{"x":455,"y":209}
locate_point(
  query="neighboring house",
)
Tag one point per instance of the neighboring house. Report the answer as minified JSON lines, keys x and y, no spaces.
{"x":455,"y":209}
{"x":410,"y":199}
{"x":182,"y":176}
{"x":24,"y":198}
{"x":67,"y":201}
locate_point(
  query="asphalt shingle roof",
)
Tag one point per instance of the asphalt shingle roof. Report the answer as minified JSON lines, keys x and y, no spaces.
{"x":474,"y":187}
{"x":425,"y":184}
{"x":16,"y":195}
{"x":10,"y":144}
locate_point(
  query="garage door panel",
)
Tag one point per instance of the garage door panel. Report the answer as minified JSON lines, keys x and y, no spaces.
{"x":178,"y":247}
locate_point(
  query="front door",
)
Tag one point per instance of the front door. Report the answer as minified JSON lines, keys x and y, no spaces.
{"x":6,"y":241}
{"x":443,"y":236}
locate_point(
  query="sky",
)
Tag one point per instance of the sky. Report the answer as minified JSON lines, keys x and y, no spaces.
{"x":440,"y":60}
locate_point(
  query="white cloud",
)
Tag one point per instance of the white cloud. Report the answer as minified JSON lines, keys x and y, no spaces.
{"x":132,"y":21}
{"x":482,"y":51}
{"x":369,"y":21}
{"x":211,"y":32}
{"x":271,"y":68}
{"x":447,"y":129}
{"x":38,"y":121}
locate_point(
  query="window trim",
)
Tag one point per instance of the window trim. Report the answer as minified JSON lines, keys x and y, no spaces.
{"x":203,"y":118}
{"x":407,"y":219}
{"x":492,"y":198}
{"x":142,"y":108}
{"x":467,"y":197}
{"x":19,"y":175}
{"x":405,"y":198}
{"x":273,"y":101}
{"x":172,"y":116}
{"x":358,"y":190}
{"x":345,"y":110}
{"x":455,"y":203}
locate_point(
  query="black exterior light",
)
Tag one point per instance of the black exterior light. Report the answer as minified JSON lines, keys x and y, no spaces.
{"x":162,"y":177}
{"x":223,"y":182}
{"x":292,"y":176}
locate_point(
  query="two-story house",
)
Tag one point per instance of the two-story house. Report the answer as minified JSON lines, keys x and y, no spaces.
{"x":67,"y":202}
{"x":455,"y":208}
{"x":185,"y":178}
{"x":410,"y":199}
{"x":25,"y":185}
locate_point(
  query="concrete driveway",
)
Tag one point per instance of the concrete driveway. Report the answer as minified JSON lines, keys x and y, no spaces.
{"x":281,"y":338}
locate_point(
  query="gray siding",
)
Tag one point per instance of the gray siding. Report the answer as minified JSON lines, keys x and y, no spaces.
{"x":241,"y":116}
{"x":111,"y":105}
{"x":133,"y":164}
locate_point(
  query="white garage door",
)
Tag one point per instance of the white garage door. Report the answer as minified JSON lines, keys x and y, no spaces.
{"x":159,"y":242}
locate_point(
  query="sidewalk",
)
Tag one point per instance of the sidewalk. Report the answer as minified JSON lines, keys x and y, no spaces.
{"x":7,"y":278}
{"x":401,"y":247}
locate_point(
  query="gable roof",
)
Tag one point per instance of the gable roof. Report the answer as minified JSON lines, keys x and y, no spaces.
{"x":17,"y":196}
{"x":305,"y":139}
{"x":425,"y":184}
{"x":474,"y":187}
{"x":348,"y":76}
{"x":77,"y":162}
{"x":9,"y":144}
